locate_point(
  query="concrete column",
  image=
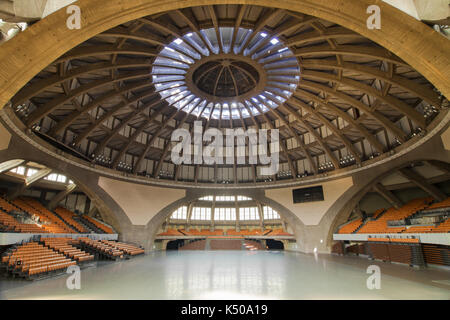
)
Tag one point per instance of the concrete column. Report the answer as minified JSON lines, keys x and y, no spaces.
{"x":166,"y":224}
{"x":92,"y":212}
{"x":261,"y":215}
{"x":264,"y":244}
{"x":213,"y":208}
{"x":283,"y":224}
{"x":138,"y":235}
{"x":189,"y":215}
{"x":236,"y":206}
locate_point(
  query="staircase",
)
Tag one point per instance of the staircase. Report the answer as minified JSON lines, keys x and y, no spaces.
{"x":61,"y":218}
{"x":379,"y":216}
{"x":369,"y":219}
{"x":360,"y":226}
{"x":91,"y":226}
{"x":84,"y":225}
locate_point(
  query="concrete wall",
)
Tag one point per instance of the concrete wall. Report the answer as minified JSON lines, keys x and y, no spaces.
{"x":372,"y":202}
{"x":139,"y":202}
{"x":310,"y":213}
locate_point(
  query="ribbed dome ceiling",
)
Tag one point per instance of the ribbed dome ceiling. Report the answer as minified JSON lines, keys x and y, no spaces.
{"x":227,"y":78}
{"x":338,"y":98}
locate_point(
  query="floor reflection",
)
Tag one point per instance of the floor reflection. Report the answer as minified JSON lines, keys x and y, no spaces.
{"x":237,"y":275}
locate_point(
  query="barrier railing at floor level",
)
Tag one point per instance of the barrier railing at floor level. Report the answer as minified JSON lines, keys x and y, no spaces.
{"x":11,"y":238}
{"x":434,"y":238}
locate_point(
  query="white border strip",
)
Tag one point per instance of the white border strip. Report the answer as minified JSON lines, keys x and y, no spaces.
{"x":434,"y":238}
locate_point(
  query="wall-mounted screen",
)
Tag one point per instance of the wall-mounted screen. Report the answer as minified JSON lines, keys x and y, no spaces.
{"x":308,"y":194}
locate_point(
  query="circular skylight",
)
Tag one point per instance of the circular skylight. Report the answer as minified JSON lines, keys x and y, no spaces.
{"x":240,"y":76}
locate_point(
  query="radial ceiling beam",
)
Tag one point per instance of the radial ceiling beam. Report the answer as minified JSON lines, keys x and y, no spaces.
{"x":147,"y":149}
{"x":215,"y":21}
{"x":411,"y":86}
{"x":42,"y":85}
{"x":348,"y":144}
{"x":293,"y":132}
{"x":329,"y":33}
{"x":170,"y":29}
{"x":259,"y":26}
{"x":283,"y":146}
{"x":100,"y":120}
{"x":237,"y":24}
{"x":300,"y":142}
{"x":312,"y":131}
{"x":130,"y":117}
{"x":142,"y":37}
{"x":389,"y":125}
{"x":344,"y":115}
{"x":142,"y":127}
{"x":361,"y":51}
{"x":60,"y":100}
{"x":245,"y":126}
{"x":319,"y":139}
{"x":286,"y":27}
{"x":161,"y":160}
{"x":125,"y":103}
{"x":101,"y":50}
{"x":190,"y":20}
{"x":393,"y":102}
{"x":422,"y":183}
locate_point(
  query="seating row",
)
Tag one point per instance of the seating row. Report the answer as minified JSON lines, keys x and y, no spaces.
{"x":33,"y":259}
{"x":379,"y":222}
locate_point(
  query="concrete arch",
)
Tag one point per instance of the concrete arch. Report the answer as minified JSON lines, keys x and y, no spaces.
{"x":345,"y":212}
{"x":258,"y":195}
{"x":27,"y":54}
{"x":110,"y":211}
{"x":154,"y":223}
{"x":320,"y":236}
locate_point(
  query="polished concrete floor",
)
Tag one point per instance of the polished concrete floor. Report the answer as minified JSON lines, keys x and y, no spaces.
{"x":237,"y":275}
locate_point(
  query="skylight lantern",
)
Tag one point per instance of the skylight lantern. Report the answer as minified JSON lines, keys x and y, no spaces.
{"x":274,"y":41}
